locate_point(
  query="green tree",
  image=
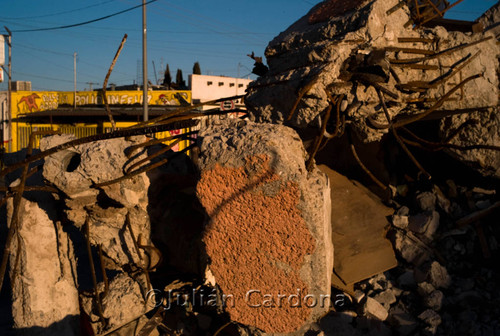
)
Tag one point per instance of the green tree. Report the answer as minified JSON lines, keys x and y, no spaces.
{"x":167,"y":79}
{"x":179,"y":80}
{"x":196,"y":69}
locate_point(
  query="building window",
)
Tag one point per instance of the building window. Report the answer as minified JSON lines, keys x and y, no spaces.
{"x":231,"y":84}
{"x":240,"y":85}
{"x":221,"y":83}
{"x":209,"y":83}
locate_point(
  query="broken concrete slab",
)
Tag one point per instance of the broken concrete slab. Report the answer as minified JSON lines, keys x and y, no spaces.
{"x":42,"y":274}
{"x":269,"y":236}
{"x":373,"y":308}
{"x":359,"y":226}
{"x":371,"y":45}
{"x":75,"y":170}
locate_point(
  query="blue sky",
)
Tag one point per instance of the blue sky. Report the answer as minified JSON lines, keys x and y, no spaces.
{"x":217,"y":33}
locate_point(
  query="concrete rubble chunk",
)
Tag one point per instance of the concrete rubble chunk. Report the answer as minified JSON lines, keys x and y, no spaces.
{"x":425,"y":223}
{"x":438,"y":276}
{"x":404,"y":323}
{"x":44,"y":285}
{"x":481,"y":128}
{"x":386,"y":298}
{"x":373,"y":308}
{"x":269,"y":235}
{"x":425,"y":288}
{"x":426,"y":201}
{"x":434,"y":300}
{"x":430,"y":317}
{"x":75,"y":170}
{"x":409,"y":250}
{"x":123,"y":304}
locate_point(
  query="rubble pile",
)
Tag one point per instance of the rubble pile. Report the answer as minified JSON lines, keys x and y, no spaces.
{"x":367,"y":56}
{"x":112,"y":219}
{"x":258,"y":232}
{"x":444,"y":283}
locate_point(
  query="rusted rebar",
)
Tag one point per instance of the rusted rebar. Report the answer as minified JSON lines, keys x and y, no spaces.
{"x":154,"y":155}
{"x":305,"y":89}
{"x":141,"y":170}
{"x":105,"y":84}
{"x":136,"y":246}
{"x":97,"y":297}
{"x":440,"y":53}
{"x":317,"y":140}
{"x":434,"y":107}
{"x":410,"y":50}
{"x":365,"y":169}
{"x":103,"y":270}
{"x":398,"y":139}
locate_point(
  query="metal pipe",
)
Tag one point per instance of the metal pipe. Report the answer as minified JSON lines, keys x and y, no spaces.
{"x":9,"y":96}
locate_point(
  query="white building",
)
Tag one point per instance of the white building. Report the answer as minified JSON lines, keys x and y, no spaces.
{"x":205,"y":88}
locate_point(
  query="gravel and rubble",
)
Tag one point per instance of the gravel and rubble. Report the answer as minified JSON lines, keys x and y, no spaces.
{"x":254,"y":213}
{"x":444,"y":284}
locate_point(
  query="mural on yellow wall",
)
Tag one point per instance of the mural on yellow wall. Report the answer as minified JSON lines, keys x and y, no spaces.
{"x":28,"y":102}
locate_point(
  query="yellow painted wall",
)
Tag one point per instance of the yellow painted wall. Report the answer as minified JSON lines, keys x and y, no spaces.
{"x":25,"y":102}
{"x":33,"y":101}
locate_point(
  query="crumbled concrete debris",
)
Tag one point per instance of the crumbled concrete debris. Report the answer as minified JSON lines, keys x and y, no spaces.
{"x":269,"y":224}
{"x":400,"y":221}
{"x":123,"y":304}
{"x":401,"y":320}
{"x":425,"y":289}
{"x":438,"y":276}
{"x":386,"y":298}
{"x":483,"y":128}
{"x":44,"y":284}
{"x":426,"y":201}
{"x":424,"y":224}
{"x":430,"y":317}
{"x":105,"y":210}
{"x":374,"y":309}
{"x":434,"y":300}
{"x":335,"y":55}
{"x":409,"y":250}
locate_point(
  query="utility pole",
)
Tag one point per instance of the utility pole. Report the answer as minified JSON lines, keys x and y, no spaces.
{"x":9,"y":95}
{"x":90,"y":85}
{"x":74,"y":79}
{"x":154,"y":69}
{"x":144,"y":63}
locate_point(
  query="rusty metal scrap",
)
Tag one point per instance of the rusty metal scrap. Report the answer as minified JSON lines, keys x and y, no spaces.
{"x":440,"y":53}
{"x":438,"y":104}
{"x":97,"y":297}
{"x":105,"y":84}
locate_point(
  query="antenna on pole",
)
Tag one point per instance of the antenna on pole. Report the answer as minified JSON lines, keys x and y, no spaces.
{"x":154,"y":69}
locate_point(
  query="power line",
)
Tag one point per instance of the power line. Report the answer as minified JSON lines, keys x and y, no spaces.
{"x":59,"y":13}
{"x":82,"y":23}
{"x":45,"y":77}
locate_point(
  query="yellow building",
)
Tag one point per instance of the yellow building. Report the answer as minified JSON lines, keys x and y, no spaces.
{"x":52,"y":110}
